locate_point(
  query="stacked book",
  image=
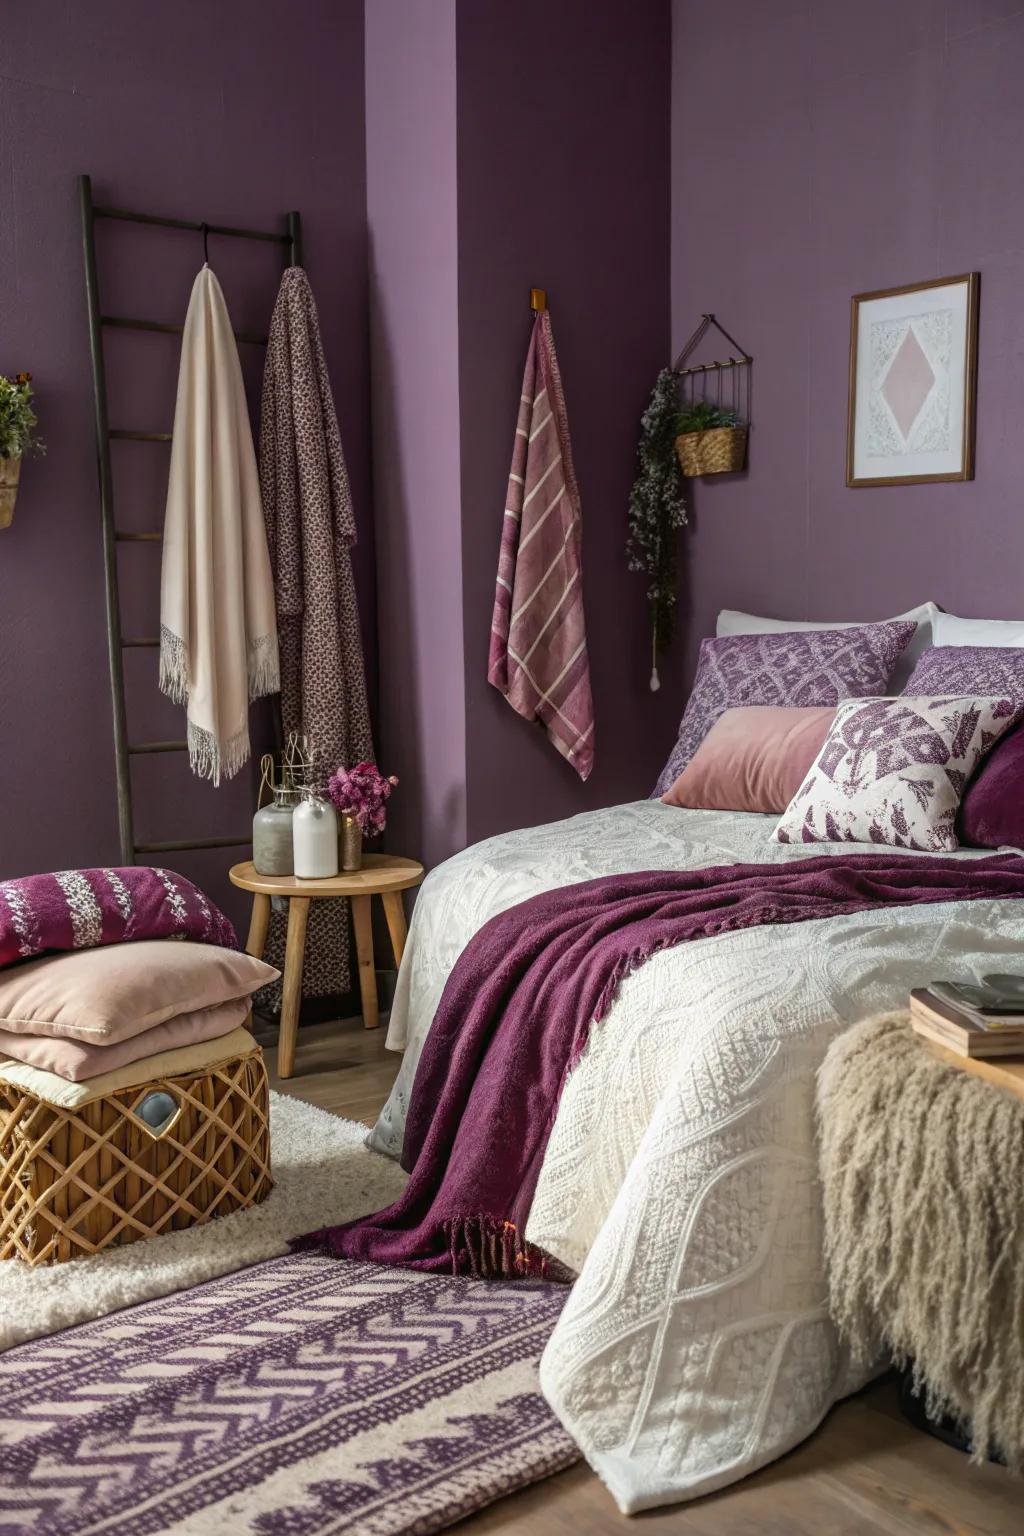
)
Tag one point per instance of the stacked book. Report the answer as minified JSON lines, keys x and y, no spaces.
{"x":973,"y":1020}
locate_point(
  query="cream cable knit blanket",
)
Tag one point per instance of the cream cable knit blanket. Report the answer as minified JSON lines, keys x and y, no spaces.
{"x":218,"y":631}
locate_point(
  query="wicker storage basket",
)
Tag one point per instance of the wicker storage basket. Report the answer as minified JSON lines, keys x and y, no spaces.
{"x":74,"y":1181}
{"x":713,"y":452}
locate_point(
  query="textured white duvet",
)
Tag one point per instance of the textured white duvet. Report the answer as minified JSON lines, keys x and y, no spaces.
{"x":680,"y":1179}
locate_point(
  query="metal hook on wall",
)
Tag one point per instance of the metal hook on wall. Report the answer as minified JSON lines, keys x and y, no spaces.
{"x":206,"y":242}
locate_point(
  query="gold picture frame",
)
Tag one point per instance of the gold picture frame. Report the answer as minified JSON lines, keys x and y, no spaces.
{"x":913,"y":383}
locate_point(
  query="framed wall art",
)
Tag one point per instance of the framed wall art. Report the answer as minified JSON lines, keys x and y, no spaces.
{"x":913,"y":379}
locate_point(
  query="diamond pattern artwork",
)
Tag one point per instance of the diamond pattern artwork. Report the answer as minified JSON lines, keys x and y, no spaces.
{"x":913,"y":383}
{"x":908,"y":382}
{"x":909,"y":402}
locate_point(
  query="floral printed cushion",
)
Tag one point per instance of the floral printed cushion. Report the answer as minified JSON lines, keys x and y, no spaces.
{"x":805,"y":669}
{"x":894,"y":770}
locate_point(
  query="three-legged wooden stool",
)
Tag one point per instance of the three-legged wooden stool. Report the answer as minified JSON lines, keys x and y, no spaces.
{"x":382,"y":875}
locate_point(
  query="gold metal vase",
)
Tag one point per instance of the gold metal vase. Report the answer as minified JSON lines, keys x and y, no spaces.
{"x":10,"y":472}
{"x":350,"y":844}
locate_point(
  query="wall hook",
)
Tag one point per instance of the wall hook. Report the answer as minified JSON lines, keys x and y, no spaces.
{"x":538,"y":300}
{"x":206,"y":242}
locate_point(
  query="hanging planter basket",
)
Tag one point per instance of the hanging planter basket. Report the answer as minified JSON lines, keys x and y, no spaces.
{"x":718,"y":451}
{"x":10,"y":473}
{"x":715,"y":406}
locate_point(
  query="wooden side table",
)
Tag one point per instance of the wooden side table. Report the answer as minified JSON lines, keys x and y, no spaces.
{"x":382,"y":875}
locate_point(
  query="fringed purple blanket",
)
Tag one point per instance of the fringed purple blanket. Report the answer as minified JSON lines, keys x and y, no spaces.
{"x":516,"y":1014}
{"x":80,"y":908}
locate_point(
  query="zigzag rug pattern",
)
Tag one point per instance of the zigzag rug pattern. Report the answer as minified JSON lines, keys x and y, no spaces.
{"x":301,"y":1397}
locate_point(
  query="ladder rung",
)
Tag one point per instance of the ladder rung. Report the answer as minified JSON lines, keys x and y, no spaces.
{"x":121,"y":323}
{"x":138,"y":538}
{"x":147,"y":644}
{"x":199,"y":842}
{"x":158,"y":746}
{"x":211,"y":229}
{"x":140,"y":437}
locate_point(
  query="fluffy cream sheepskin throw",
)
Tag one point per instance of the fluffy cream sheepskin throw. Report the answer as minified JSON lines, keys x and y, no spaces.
{"x":923,"y":1173}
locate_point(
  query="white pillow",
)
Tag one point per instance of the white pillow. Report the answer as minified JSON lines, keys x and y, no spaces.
{"x":732,"y":622}
{"x":949,"y":630}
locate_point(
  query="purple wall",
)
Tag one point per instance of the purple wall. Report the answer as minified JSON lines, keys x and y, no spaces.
{"x":414,"y":307}
{"x":862,"y":145}
{"x":509,"y":146}
{"x":233,"y":112}
{"x":563,"y":171}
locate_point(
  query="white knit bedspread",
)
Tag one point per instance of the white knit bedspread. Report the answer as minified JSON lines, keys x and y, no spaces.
{"x":681,"y":1174}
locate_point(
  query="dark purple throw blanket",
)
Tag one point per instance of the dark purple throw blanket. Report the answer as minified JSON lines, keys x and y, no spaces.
{"x":80,"y":908}
{"x":517,"y":1010}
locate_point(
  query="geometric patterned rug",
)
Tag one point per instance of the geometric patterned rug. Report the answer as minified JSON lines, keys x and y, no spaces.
{"x":301,"y":1397}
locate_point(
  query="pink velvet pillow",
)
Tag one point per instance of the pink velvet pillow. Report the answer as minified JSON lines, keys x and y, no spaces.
{"x":119,"y":990}
{"x":752,"y":759}
{"x":77,"y":1060}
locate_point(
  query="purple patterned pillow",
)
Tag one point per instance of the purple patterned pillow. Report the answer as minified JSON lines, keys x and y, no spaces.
{"x":893,"y":771}
{"x":801,"y":668}
{"x":981,"y":671}
{"x":992,"y":814}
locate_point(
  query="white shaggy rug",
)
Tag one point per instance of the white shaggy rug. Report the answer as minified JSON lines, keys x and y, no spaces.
{"x":323,"y":1174}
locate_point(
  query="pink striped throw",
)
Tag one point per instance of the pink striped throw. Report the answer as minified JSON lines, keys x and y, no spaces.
{"x":538,"y":654}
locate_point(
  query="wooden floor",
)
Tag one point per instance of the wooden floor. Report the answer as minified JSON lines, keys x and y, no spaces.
{"x":866,"y":1470}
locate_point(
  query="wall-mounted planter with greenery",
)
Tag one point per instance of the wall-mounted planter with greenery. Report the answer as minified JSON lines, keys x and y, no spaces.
{"x":709,"y":440}
{"x":17,"y":438}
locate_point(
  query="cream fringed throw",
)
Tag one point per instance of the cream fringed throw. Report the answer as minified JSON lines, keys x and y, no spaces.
{"x":218,"y":632}
{"x":923,"y":1168}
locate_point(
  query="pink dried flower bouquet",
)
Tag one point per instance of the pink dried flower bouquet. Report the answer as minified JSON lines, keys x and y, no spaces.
{"x":362,"y":792}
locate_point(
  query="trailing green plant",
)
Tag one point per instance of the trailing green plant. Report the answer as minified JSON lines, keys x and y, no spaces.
{"x":17,"y":418}
{"x":702,"y":416}
{"x":657,"y":510}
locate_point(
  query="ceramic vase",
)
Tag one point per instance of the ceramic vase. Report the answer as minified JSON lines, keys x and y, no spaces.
{"x":315,"y":839}
{"x":272,"y":851}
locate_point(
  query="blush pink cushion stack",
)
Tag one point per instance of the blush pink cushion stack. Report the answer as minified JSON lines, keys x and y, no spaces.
{"x":77,"y":1060}
{"x":90,"y":1011}
{"x":753,"y":759}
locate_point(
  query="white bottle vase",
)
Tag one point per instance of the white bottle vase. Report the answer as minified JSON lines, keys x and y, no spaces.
{"x":315,"y":839}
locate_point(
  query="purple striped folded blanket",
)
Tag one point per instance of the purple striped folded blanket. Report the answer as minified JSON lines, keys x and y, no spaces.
{"x":538,"y":650}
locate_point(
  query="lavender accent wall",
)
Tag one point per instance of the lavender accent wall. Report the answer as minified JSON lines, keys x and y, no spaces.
{"x":508,"y":147}
{"x":234,"y":111}
{"x":862,"y":145}
{"x":563,"y":135}
{"x":414,"y":307}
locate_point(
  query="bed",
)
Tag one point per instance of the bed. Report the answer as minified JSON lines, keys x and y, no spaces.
{"x":680,"y":1179}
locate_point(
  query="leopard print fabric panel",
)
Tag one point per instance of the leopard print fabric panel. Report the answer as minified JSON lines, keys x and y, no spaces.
{"x":311,"y":530}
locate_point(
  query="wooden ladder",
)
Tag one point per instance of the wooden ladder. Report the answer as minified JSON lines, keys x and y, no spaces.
{"x":117,"y":643}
